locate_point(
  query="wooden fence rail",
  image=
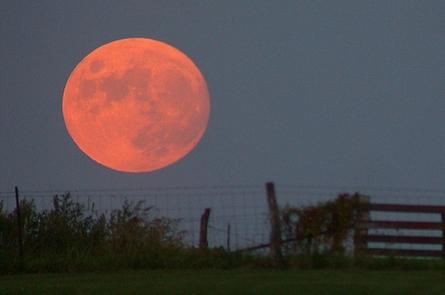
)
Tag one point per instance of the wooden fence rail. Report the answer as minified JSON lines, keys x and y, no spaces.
{"x":362,"y":235}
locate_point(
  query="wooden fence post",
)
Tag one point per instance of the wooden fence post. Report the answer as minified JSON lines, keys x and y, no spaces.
{"x":443,"y":234}
{"x":19,"y":229}
{"x":228,"y":237}
{"x":203,"y":243}
{"x":361,"y":227}
{"x":275,"y":226}
{"x":299,"y":236}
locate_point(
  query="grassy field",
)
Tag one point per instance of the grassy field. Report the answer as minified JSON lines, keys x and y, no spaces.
{"x":229,"y":282}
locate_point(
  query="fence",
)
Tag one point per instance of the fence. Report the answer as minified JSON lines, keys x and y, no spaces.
{"x":362,"y":237}
{"x":239,"y":216}
{"x":242,"y":208}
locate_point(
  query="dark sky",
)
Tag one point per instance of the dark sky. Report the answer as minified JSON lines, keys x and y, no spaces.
{"x":302,"y":92}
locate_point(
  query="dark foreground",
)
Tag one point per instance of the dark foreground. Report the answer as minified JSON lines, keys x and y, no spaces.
{"x":229,"y":282}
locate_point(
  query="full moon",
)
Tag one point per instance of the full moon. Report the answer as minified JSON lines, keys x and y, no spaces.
{"x":136,"y":105}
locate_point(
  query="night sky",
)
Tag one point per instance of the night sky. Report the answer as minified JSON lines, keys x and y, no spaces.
{"x":302,"y":92}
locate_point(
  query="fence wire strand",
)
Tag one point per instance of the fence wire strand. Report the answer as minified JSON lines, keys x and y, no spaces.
{"x":242,"y":207}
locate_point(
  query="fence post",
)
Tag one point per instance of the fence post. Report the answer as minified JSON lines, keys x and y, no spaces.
{"x":361,"y":227}
{"x":275,"y":227}
{"x":203,"y":243}
{"x":443,"y":234}
{"x":19,"y":228}
{"x":299,"y":236}
{"x":228,"y":237}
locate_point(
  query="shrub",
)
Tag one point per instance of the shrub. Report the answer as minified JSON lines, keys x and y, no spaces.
{"x":67,"y":238}
{"x":322,"y":228}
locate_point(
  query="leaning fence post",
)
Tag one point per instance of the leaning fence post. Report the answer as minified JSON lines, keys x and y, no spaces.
{"x":203,"y":243}
{"x":19,"y":228}
{"x":275,"y":228}
{"x":361,"y":226}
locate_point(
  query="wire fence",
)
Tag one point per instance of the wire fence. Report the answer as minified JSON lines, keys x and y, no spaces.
{"x":242,"y":208}
{"x":239,"y":213}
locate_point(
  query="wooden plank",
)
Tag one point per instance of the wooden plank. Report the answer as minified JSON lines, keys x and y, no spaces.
{"x":406,"y":208}
{"x":404,"y":239}
{"x":257,"y":247}
{"x":405,"y":252}
{"x":402,"y":225}
{"x":261,"y":246}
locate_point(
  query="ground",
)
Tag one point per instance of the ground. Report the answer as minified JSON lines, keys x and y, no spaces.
{"x":229,"y":282}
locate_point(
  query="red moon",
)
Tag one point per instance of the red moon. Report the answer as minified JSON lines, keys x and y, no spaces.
{"x":136,"y":105}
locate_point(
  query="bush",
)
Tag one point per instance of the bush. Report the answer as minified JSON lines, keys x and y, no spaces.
{"x":323,"y":228}
{"x":67,"y":238}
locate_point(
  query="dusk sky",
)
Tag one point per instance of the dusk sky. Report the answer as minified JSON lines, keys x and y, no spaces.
{"x":348,"y":93}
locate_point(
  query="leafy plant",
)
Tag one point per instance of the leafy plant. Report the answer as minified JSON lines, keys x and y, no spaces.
{"x":67,"y":237}
{"x":322,"y":228}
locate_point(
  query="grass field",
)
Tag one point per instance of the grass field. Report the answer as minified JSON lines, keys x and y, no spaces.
{"x":229,"y":282}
